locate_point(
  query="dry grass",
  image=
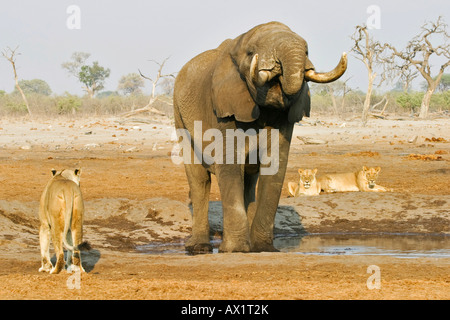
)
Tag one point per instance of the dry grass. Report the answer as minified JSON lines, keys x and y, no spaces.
{"x":67,"y":104}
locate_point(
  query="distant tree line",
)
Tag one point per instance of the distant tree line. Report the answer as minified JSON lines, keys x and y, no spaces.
{"x":339,"y":99}
{"x":128,"y":96}
{"x":384,"y":63}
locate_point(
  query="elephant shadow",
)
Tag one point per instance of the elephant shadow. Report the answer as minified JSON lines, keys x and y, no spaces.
{"x":288,"y":224}
{"x":88,"y":259}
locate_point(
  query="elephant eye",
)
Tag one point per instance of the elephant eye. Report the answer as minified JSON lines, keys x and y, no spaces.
{"x":250,"y":53}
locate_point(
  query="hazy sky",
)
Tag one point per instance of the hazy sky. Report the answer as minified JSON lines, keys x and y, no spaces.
{"x":124,"y":35}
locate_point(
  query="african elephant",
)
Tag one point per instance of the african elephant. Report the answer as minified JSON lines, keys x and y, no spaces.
{"x":255,"y":81}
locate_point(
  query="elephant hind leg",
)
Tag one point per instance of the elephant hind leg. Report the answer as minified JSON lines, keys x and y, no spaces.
{"x":200,"y":185}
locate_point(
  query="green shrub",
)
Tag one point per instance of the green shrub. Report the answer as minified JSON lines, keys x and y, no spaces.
{"x":440,"y":101}
{"x":12,"y":104}
{"x":410,"y":101}
{"x":16,"y":107}
{"x":68,"y":103}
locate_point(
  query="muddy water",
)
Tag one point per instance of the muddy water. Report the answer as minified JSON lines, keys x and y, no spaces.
{"x":396,"y":245}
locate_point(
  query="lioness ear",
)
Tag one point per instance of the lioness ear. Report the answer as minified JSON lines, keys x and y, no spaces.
{"x":300,"y":171}
{"x":53,"y":172}
{"x":364,"y":168}
{"x":315,"y":171}
{"x":377,"y":169}
{"x":230,"y":96}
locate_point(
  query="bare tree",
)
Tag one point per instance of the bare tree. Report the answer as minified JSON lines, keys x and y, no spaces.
{"x":407,"y":75}
{"x":370,"y":53}
{"x":159,"y":76}
{"x":418,"y":52}
{"x":338,"y":88}
{"x":331,"y":91}
{"x":373,"y":109}
{"x":154,"y":81}
{"x":10,"y":55}
{"x":345,"y":89}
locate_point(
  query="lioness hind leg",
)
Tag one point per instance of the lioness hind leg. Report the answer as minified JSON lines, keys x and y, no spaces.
{"x":76,"y":255}
{"x":57,"y":243}
{"x":59,"y":264}
{"x":69,"y":253}
{"x":44,"y":239}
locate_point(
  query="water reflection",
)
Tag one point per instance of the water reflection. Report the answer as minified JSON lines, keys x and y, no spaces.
{"x":396,"y":245}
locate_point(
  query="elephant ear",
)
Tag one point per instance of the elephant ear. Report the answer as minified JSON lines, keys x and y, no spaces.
{"x":230,"y":95}
{"x":302,"y":106}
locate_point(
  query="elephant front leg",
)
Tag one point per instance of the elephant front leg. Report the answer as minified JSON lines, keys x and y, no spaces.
{"x":268,"y":196}
{"x":199,"y":184}
{"x":261,"y":235}
{"x":250,"y":181}
{"x":235,"y":224}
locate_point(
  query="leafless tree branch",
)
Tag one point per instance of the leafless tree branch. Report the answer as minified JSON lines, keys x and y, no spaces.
{"x":10,"y":55}
{"x":417,"y":54}
{"x":370,"y":52}
{"x":159,"y":75}
{"x":153,"y":98}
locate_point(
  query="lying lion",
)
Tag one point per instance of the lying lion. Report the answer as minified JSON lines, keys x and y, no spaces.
{"x":61,"y":213}
{"x":362,"y":180}
{"x":307,"y":184}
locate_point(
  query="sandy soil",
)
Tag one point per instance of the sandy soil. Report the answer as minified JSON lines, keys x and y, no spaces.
{"x":135,"y":195}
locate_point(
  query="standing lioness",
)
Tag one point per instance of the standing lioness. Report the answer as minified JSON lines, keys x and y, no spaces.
{"x":61,"y":213}
{"x":362,"y":180}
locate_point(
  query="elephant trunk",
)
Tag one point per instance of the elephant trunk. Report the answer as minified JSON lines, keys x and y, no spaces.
{"x":291,"y":64}
{"x":292,"y":56}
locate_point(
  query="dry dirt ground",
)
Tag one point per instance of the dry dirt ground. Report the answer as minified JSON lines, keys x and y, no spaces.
{"x":135,"y":195}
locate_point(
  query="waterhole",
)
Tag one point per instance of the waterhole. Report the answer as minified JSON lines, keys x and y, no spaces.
{"x":395,"y":245}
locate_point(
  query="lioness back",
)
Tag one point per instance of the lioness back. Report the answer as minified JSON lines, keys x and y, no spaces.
{"x":62,"y":193}
{"x":61,"y":213}
{"x":362,"y":180}
{"x":339,"y":182}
